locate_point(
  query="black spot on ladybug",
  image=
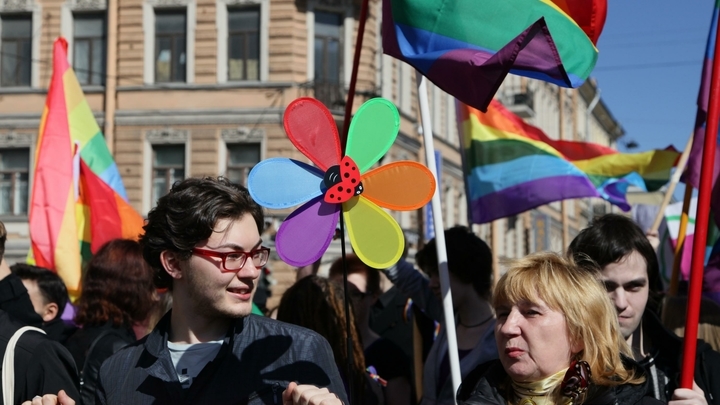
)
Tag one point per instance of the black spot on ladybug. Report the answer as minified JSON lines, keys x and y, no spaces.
{"x":332,"y":195}
{"x":347,"y":163}
{"x":353,"y":168}
{"x":349,"y":191}
{"x":340,"y":188}
{"x":352,"y":181}
{"x":347,"y":175}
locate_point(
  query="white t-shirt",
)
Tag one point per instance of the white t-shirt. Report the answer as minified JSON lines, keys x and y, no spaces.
{"x":190,"y":359}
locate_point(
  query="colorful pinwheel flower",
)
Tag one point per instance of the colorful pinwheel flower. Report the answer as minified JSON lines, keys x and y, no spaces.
{"x":339,"y":182}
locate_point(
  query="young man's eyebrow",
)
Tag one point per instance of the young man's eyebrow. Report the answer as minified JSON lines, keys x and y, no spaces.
{"x":640,"y":282}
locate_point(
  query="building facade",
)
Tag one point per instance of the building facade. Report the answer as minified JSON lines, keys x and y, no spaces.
{"x":198,"y":87}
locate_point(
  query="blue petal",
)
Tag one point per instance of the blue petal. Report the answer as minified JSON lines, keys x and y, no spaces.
{"x":282,"y":183}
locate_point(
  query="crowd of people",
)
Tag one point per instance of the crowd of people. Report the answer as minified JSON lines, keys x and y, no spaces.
{"x":167,"y":319}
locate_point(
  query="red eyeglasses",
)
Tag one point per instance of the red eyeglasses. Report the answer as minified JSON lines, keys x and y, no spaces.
{"x":234,"y":261}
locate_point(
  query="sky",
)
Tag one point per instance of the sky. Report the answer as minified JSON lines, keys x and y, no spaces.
{"x":648,"y":70}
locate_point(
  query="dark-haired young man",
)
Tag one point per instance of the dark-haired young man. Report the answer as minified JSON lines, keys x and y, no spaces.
{"x":49,"y":298}
{"x":203,"y":240}
{"x":629,"y":269}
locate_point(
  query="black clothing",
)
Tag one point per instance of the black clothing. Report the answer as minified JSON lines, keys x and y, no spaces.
{"x":59,"y":330}
{"x":388,"y":360}
{"x":42,"y":366}
{"x":666,"y":357}
{"x":15,"y":301}
{"x":105,"y":341}
{"x":258,"y":359}
{"x":486,"y":385}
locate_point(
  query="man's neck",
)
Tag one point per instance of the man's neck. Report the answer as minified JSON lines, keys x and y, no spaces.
{"x":637,"y":343}
{"x":187,"y":326}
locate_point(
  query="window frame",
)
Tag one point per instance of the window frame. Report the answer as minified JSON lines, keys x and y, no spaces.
{"x":173,"y":36}
{"x":245,"y":168}
{"x":102,"y":14}
{"x":14,"y":180}
{"x":30,"y":42}
{"x":245,"y":33}
{"x":170,"y":169}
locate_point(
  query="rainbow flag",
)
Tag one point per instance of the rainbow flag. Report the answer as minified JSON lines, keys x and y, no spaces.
{"x":512,"y":166}
{"x":78,"y":200}
{"x":467,"y":47}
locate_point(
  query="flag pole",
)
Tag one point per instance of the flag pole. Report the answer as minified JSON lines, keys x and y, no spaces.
{"x":701,"y":224}
{"x":353,"y":75}
{"x":680,"y":246}
{"x":448,"y":311}
{"x":674,"y":180}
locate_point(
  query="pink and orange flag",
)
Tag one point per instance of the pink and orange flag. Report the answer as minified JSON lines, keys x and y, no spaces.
{"x":78,"y":199}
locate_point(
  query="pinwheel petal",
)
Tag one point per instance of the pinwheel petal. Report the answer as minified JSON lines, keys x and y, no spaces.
{"x":306,"y":233}
{"x":402,"y":185}
{"x":312,"y":129}
{"x":372,"y":131}
{"x":282,"y":183}
{"x":375,"y":236}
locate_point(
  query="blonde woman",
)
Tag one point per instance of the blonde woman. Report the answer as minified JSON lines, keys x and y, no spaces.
{"x":557,"y":337}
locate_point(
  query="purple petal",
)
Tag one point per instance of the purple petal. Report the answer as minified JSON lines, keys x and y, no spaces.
{"x":306,"y":233}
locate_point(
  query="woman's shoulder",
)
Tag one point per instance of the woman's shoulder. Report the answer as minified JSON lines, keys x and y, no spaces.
{"x":480,"y":384}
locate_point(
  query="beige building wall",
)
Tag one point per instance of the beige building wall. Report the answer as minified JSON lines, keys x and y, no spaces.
{"x":208,"y":112}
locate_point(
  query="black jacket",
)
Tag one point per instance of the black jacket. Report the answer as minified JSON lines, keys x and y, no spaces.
{"x":667,"y":357}
{"x":258,"y":359}
{"x":484,"y":386}
{"x":105,"y":340}
{"x":42,"y":366}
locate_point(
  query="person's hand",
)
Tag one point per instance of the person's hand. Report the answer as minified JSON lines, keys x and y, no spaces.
{"x":51,"y":399}
{"x":685,"y":396}
{"x":307,"y":395}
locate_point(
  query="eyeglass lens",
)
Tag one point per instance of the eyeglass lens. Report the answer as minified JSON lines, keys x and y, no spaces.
{"x":237,"y":260}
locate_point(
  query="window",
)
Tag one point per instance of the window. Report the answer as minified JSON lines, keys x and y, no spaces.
{"x":14,"y":169}
{"x":16,"y":55}
{"x":89,"y":48}
{"x":244,"y":44}
{"x":328,"y":47}
{"x":170,"y":52}
{"x":168,"y":167}
{"x":241,"y":159}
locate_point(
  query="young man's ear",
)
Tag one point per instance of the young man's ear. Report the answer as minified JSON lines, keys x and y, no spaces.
{"x":49,"y":312}
{"x":171,"y":264}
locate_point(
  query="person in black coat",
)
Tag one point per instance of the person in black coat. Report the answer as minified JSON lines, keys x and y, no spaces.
{"x":558,"y":340}
{"x":117,"y":293}
{"x":42,"y":366}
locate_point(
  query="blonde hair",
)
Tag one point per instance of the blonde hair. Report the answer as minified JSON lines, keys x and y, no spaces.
{"x":590,"y":317}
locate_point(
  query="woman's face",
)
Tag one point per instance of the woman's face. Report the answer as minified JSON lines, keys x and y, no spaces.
{"x":532,"y":339}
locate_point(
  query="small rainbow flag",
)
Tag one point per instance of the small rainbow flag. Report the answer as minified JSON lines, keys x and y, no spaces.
{"x":78,"y":200}
{"x":467,"y":47}
{"x":514,"y":166}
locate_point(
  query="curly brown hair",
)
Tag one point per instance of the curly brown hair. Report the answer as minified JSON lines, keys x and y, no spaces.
{"x":117,"y":286}
{"x":187,"y":215}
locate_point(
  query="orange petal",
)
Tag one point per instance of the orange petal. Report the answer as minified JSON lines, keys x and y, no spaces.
{"x":402,"y":185}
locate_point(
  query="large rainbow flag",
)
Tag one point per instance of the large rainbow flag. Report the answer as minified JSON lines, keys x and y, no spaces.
{"x":512,"y":166}
{"x":78,"y":200}
{"x":467,"y":47}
